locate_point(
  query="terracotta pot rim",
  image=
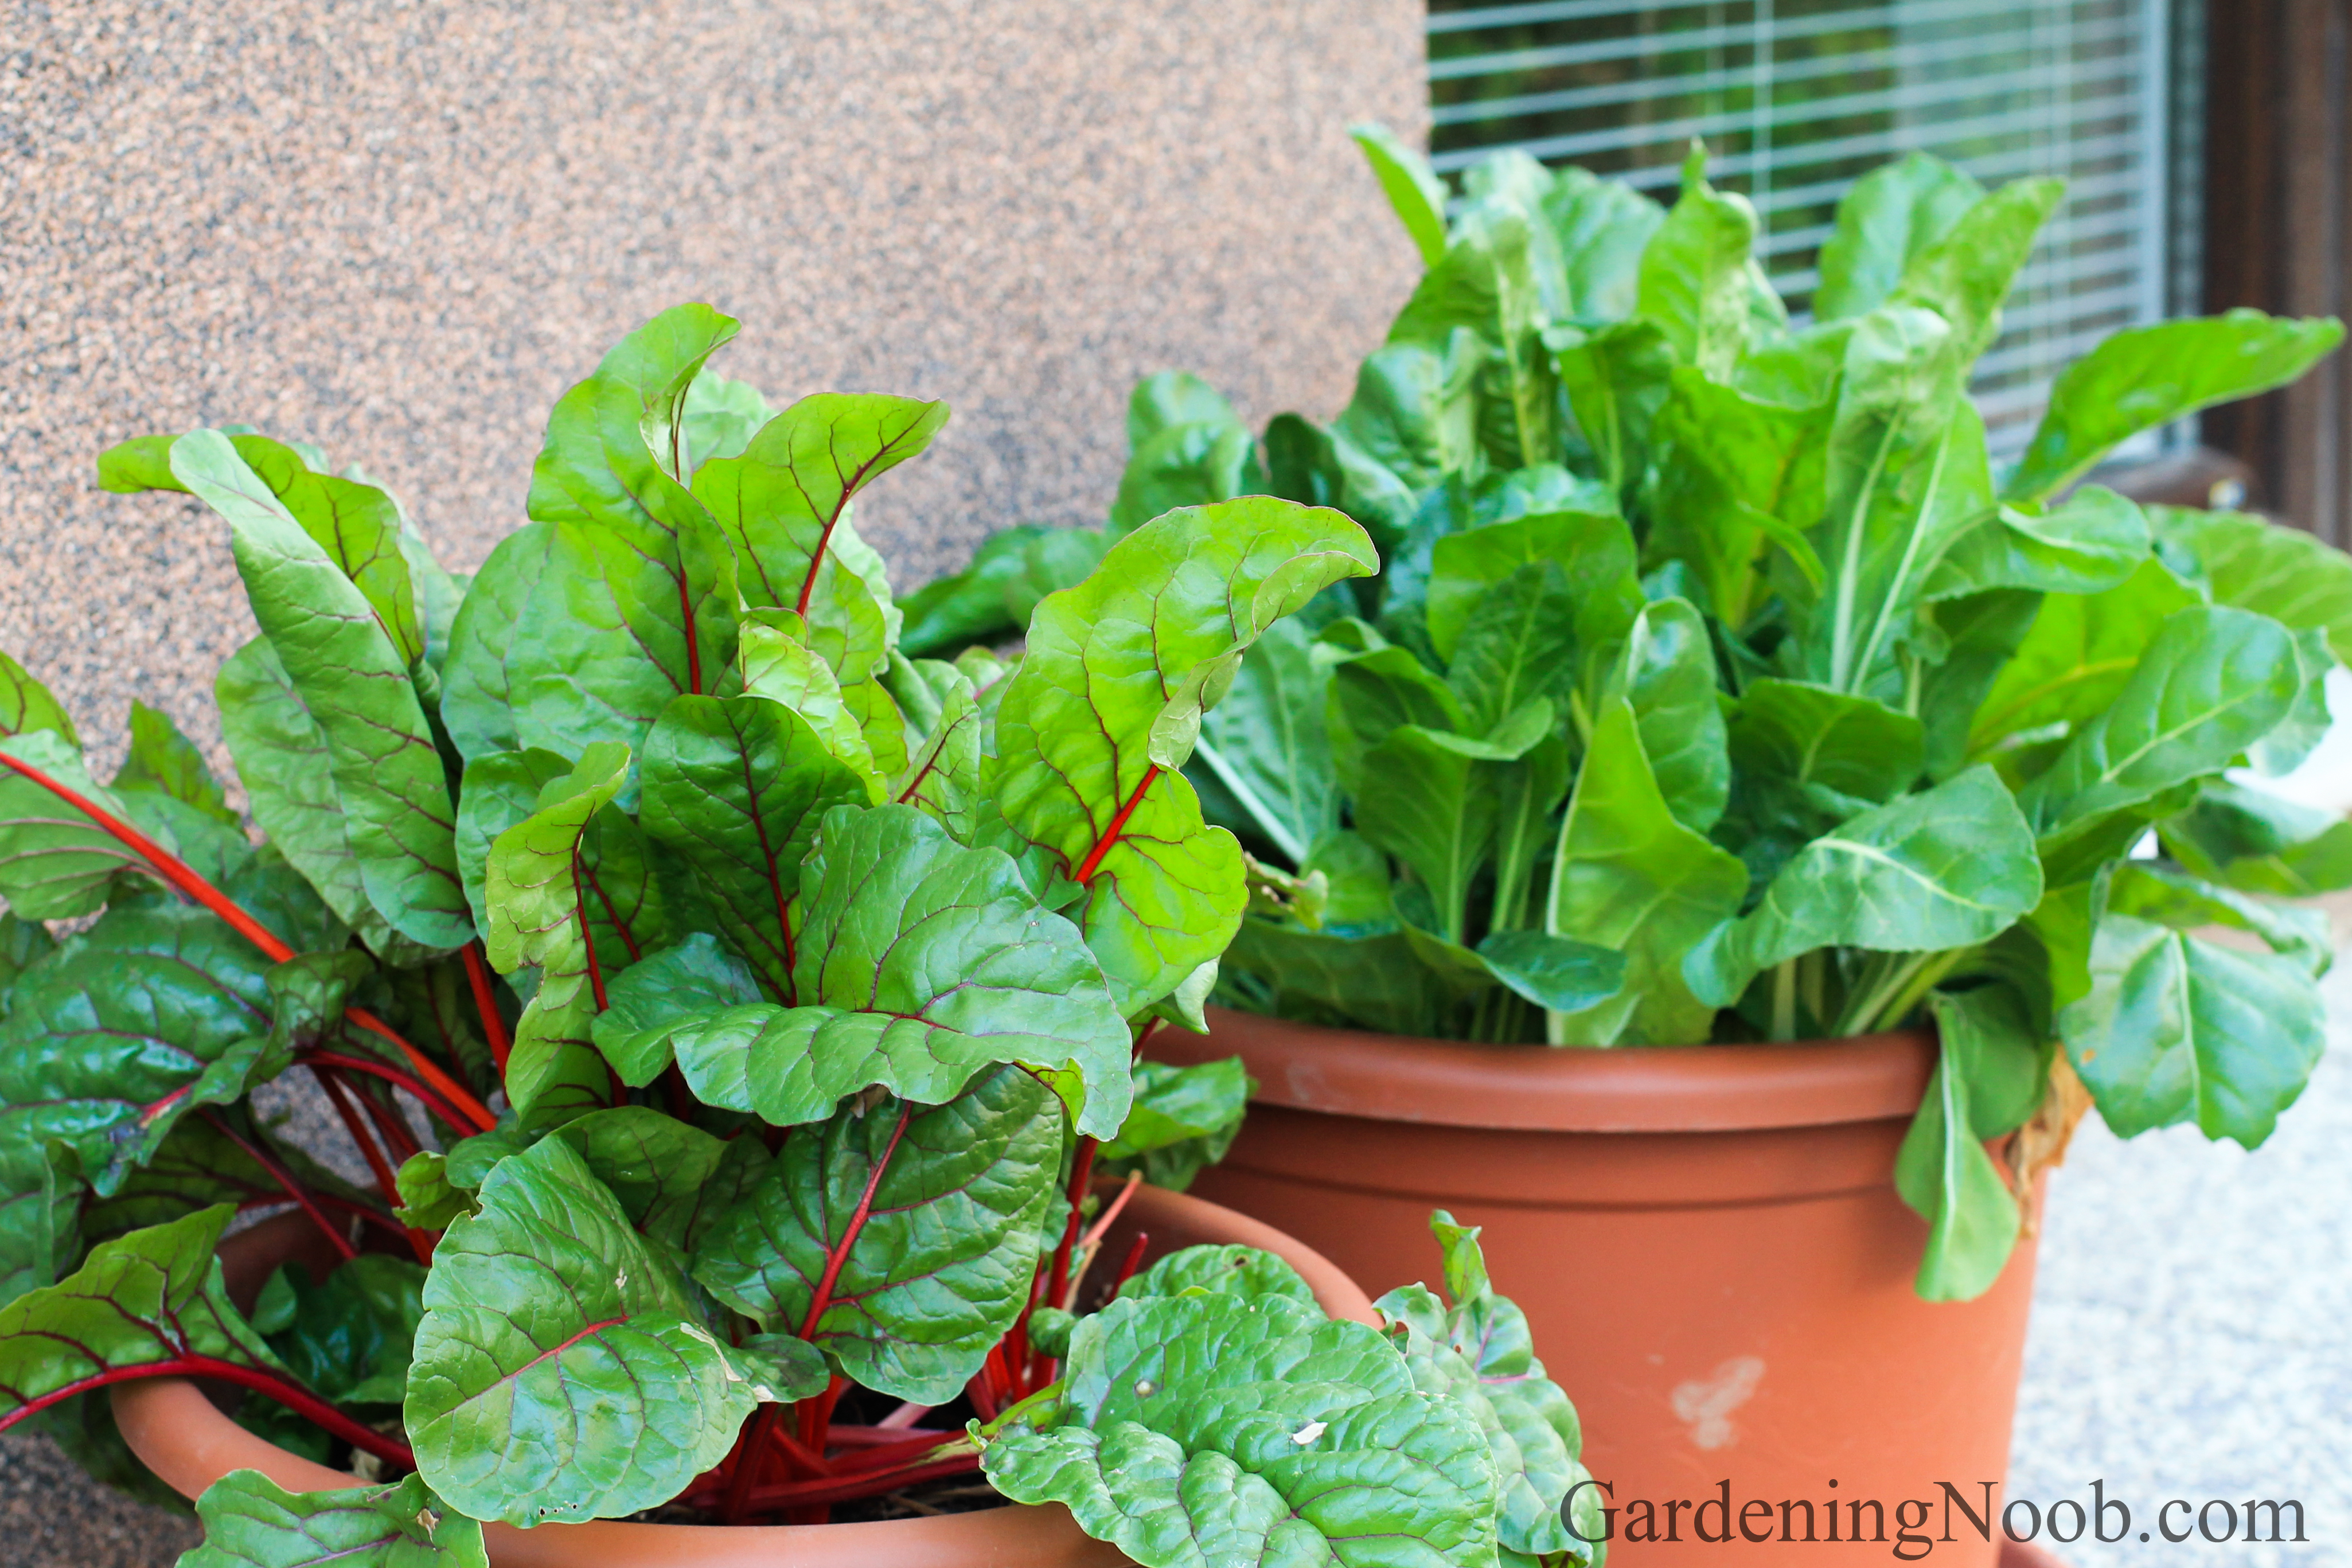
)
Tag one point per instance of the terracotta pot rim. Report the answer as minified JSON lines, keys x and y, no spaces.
{"x":1526,"y":1087}
{"x":187,"y":1442}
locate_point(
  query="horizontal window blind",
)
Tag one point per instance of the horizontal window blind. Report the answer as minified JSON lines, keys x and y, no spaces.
{"x":1796,"y":98}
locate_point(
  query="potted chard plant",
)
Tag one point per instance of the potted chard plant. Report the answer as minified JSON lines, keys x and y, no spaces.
{"x":1862,"y":808}
{"x":769,"y":998}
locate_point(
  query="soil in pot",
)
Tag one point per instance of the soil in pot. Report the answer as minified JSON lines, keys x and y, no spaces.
{"x":1707,"y":1244}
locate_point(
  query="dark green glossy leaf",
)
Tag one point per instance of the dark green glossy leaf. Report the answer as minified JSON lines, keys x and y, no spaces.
{"x":919,"y":965}
{"x":1736,"y":472}
{"x":991,"y":600}
{"x":1376,"y":981}
{"x":350,"y":1334}
{"x":1308,"y":1435}
{"x":673,"y":1181}
{"x":1988,"y":1080}
{"x":1555,"y":973}
{"x":2148,"y":376}
{"x":252,"y":1522}
{"x":736,"y":785}
{"x":700,"y":976}
{"x":1833,"y":752}
{"x":928,"y":1276}
{"x":562,"y":1371}
{"x":1432,"y":809}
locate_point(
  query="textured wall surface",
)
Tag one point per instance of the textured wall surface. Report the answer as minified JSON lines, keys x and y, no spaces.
{"x":400,"y":229}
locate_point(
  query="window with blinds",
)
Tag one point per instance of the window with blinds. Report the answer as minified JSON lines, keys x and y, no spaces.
{"x":1795,"y":98}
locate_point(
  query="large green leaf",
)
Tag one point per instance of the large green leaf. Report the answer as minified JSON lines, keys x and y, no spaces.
{"x":2177,"y":1029}
{"x":1965,"y":274}
{"x":1414,"y":191}
{"x":108,"y":1038}
{"x":153,"y":1295}
{"x":349,"y":1334}
{"x":2089,"y":542}
{"x":2260,"y":843}
{"x":1434,"y":809}
{"x":1191,"y":464}
{"x":2146,"y":376}
{"x":1906,"y":474}
{"x":1376,"y":981}
{"x":1945,"y":867}
{"x":1107,"y":705}
{"x":1884,"y":219}
{"x":164,"y":762}
{"x":920,"y":963}
{"x":1669,"y":676}
{"x":1988,"y":1080}
{"x":2213,"y":681}
{"x":1414,"y":411}
{"x":1517,"y":650}
{"x":1617,"y":378}
{"x":674,"y":1182}
{"x":56,"y":863}
{"x":26,"y":705}
{"x":1480,"y":1356}
{"x":562,"y":1371}
{"x":921,"y":1224}
{"x":478,"y":678}
{"x":1808,"y":756}
{"x":535,"y":894}
{"x":736,"y":786}
{"x":698,"y":976}
{"x":1205,"y":1429}
{"x":1631,"y":876}
{"x":1592,"y":551}
{"x":1267,"y":744}
{"x":2075,"y":659}
{"x":251,"y":1521}
{"x":353,"y":678}
{"x":1695,"y":273}
{"x":1488,"y":281}
{"x":1317,"y":467}
{"x":2253,"y":563}
{"x":1737,"y":473}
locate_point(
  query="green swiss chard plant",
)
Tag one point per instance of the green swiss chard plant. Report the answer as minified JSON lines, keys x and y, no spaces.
{"x":1718,"y":686}
{"x":769,"y":997}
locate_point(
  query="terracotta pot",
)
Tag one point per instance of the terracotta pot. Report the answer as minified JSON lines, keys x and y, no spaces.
{"x":1706,"y":1240}
{"x":179,"y":1434}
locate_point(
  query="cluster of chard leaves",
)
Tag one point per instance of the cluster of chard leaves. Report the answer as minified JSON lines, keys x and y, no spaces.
{"x":736,"y":1013}
{"x":1716,"y":686}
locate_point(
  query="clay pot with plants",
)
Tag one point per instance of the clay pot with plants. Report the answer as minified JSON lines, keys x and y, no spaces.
{"x":770,"y":999}
{"x":1847,"y":809}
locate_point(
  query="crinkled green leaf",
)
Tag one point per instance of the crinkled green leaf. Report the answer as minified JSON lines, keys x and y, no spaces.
{"x":2146,"y":376}
{"x":1809,"y":756}
{"x":721,"y":417}
{"x":942,"y":778}
{"x":1629,"y":876}
{"x":560,"y":1369}
{"x":941,"y":1265}
{"x":1249,"y":1273}
{"x":919,"y":965}
{"x":2176,"y":1029}
{"x":1593,"y":553}
{"x":1944,"y":867}
{"x":736,"y":786}
{"x":1434,"y":809}
{"x":1203,"y":1429}
{"x":1736,"y":473}
{"x":251,"y":1521}
{"x":500,"y":791}
{"x":352,"y":676}
{"x":1107,"y":705}
{"x":40,"y":1204}
{"x":1479,"y":1355}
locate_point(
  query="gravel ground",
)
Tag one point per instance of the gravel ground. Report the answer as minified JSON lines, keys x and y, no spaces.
{"x":2192,"y":1325}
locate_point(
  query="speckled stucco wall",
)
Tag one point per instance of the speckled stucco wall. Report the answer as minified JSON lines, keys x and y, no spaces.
{"x":401,"y":229}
